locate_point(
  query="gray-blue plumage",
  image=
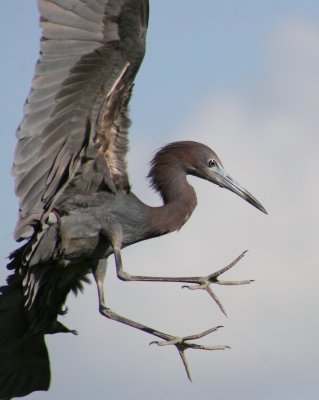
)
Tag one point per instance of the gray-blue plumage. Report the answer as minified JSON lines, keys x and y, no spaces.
{"x":76,"y":207}
{"x":72,"y":140}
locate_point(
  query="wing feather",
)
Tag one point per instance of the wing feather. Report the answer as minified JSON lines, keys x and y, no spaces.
{"x":76,"y":111}
{"x":58,"y":32}
{"x":65,"y":13}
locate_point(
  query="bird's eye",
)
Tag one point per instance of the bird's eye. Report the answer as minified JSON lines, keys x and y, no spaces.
{"x":212,"y":163}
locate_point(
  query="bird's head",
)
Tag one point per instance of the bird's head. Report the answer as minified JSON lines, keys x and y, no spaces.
{"x":203,"y":162}
{"x":194,"y":159}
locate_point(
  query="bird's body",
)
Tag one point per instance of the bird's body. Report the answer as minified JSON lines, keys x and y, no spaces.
{"x":77,"y":228}
{"x":76,"y":204}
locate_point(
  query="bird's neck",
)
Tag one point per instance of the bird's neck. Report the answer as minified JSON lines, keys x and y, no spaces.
{"x":179,"y":199}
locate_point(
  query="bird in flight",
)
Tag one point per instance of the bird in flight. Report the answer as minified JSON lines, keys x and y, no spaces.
{"x":76,"y":207}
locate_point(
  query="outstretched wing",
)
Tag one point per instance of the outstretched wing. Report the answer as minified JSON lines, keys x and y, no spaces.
{"x":74,"y":131}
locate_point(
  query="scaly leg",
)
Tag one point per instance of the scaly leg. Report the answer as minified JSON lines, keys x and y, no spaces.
{"x":113,"y":230}
{"x":201,"y":282}
{"x":181,"y":343}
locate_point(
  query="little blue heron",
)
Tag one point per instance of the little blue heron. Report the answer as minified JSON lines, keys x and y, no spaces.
{"x":76,"y":206}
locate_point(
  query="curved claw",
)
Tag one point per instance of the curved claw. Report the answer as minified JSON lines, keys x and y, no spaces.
{"x":181,"y":344}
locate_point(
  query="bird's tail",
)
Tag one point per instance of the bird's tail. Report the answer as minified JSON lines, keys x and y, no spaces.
{"x":24,"y":360}
{"x":30,"y":304}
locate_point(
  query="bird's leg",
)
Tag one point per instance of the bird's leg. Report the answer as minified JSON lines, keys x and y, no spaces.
{"x":201,"y":282}
{"x":181,"y":343}
{"x":99,"y":271}
{"x":113,"y":231}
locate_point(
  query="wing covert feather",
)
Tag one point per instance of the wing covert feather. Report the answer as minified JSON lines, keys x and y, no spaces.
{"x":90,"y":53}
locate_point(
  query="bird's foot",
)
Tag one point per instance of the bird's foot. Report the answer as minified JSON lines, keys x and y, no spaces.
{"x":206,"y":282}
{"x":181,"y":343}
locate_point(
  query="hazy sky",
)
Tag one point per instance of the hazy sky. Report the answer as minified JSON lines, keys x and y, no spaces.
{"x":242,"y":77}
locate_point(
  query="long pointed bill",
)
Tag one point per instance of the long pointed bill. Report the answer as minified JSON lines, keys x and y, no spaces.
{"x":227,"y":182}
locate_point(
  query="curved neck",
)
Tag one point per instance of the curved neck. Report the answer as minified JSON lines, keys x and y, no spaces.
{"x":179,"y":202}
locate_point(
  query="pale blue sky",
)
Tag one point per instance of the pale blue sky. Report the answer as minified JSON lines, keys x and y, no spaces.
{"x":227,"y":73}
